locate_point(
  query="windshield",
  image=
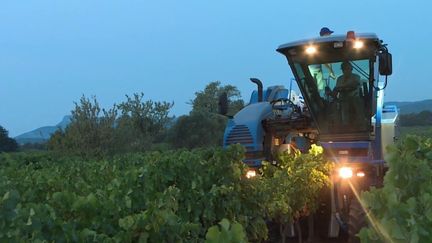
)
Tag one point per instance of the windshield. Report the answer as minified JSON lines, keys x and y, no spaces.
{"x":338,"y":94}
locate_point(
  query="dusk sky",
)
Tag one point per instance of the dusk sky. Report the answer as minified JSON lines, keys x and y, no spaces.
{"x":53,"y":52}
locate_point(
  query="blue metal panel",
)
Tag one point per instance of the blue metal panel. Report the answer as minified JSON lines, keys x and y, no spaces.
{"x":253,"y":162}
{"x":389,"y":108}
{"x":254,"y":96}
{"x":345,"y":145}
{"x":281,"y":94}
{"x":378,"y":116}
{"x":249,"y":118}
{"x":349,"y":152}
{"x":246,"y":128}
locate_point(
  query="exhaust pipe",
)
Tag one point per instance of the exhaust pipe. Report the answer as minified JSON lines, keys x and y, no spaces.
{"x":260,"y":88}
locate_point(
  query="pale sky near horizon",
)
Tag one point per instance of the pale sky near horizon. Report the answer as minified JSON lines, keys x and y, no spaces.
{"x":52,"y":52}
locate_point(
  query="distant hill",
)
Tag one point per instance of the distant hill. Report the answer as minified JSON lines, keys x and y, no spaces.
{"x":412,"y":107}
{"x":42,"y":134}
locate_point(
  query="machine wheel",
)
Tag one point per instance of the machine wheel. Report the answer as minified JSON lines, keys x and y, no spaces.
{"x":356,"y":221}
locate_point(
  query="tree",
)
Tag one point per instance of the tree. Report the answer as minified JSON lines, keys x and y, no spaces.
{"x":203,"y":127}
{"x":208,"y":99}
{"x":33,"y":146}
{"x":133,"y":125}
{"x":91,"y":131}
{"x":141,"y":123}
{"x":423,"y":118}
{"x":199,"y":129}
{"x":7,"y":144}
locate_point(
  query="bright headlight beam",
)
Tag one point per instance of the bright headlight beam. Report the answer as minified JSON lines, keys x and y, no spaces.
{"x":358,"y":44}
{"x":250,"y":174}
{"x":311,"y":50}
{"x":345,"y":172}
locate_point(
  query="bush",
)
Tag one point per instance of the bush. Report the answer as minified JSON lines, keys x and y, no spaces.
{"x":174,"y":196}
{"x":401,"y":211}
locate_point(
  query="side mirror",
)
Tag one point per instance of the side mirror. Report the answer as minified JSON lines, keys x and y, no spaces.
{"x":385,"y":63}
{"x":223,"y":104}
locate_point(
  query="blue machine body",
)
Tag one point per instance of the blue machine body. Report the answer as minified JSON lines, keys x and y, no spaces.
{"x":246,"y":127}
{"x":341,"y":110}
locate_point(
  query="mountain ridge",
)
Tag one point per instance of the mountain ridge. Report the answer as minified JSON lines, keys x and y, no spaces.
{"x":407,"y":107}
{"x":42,"y":134}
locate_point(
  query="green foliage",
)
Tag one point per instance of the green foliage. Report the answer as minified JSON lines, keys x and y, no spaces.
{"x":174,"y":196}
{"x":141,"y":123}
{"x":203,"y":127}
{"x":7,"y":144}
{"x":153,"y":197}
{"x":94,"y":131}
{"x":401,"y":211}
{"x":422,"y":131}
{"x":33,"y":147}
{"x":208,"y":99}
{"x":199,"y":129}
{"x":137,"y":125}
{"x":90,"y":133}
{"x":291,"y":188}
{"x":423,"y":118}
{"x":226,"y":232}
{"x":300,"y":178}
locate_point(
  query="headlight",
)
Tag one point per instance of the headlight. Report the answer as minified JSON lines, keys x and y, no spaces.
{"x":358,"y":44}
{"x":250,"y":173}
{"x":345,"y":172}
{"x":310,"y":50}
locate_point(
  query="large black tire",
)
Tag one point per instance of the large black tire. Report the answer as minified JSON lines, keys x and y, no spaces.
{"x":356,"y":221}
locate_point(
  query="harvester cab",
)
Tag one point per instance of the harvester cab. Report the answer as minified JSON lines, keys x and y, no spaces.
{"x":339,"y":78}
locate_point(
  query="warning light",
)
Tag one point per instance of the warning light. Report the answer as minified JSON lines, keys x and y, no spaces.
{"x":350,"y":35}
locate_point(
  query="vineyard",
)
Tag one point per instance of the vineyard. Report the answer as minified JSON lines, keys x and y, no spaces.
{"x":176,"y":196}
{"x":199,"y":195}
{"x":401,"y":211}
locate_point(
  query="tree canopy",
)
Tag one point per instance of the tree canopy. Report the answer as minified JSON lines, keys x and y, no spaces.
{"x":7,"y":144}
{"x":137,"y":125}
{"x":207,"y":99}
{"x":204,"y":127}
{"x":133,"y":125}
{"x":423,"y":118}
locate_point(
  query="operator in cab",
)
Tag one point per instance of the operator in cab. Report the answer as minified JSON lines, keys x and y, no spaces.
{"x":347,"y":92}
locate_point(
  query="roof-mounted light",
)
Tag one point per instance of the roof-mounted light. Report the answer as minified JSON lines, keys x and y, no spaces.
{"x":310,"y":50}
{"x":358,"y":44}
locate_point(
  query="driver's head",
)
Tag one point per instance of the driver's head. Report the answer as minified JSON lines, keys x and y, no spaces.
{"x":346,"y":67}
